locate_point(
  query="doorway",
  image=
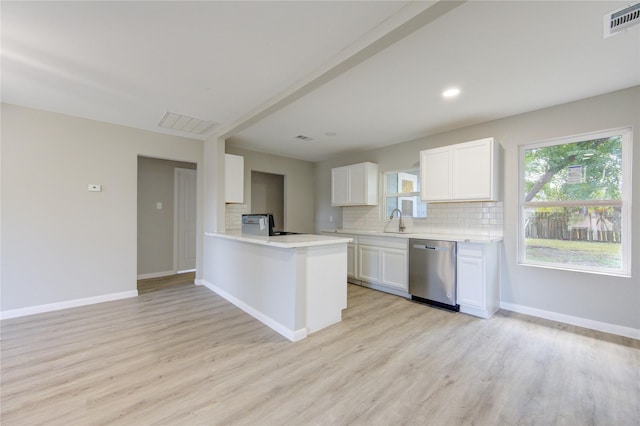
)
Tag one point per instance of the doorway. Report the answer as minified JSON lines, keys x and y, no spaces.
{"x":267,"y":196}
{"x":166,"y":221}
{"x":184,"y":220}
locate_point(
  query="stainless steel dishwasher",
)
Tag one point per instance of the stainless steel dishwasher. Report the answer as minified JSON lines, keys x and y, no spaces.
{"x":432,"y":272}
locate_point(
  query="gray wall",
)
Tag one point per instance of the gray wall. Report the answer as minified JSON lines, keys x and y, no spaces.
{"x":59,"y":241}
{"x":155,"y":227}
{"x":267,"y":195}
{"x":607,"y":299}
{"x":298,"y":185}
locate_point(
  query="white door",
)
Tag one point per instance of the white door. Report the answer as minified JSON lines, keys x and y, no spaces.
{"x":185,"y":219}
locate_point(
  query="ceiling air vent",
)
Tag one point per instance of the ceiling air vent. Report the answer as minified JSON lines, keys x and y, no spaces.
{"x":184,"y":123}
{"x":304,"y":138}
{"x":621,"y":19}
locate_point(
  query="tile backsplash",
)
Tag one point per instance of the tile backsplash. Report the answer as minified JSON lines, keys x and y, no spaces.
{"x":442,"y":218}
{"x":477,"y":218}
{"x":233,"y":215}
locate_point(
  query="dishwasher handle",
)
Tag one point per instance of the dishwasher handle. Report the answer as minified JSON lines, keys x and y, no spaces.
{"x":426,"y":247}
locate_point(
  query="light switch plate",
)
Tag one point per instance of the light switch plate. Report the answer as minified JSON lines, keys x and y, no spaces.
{"x":95,"y":188}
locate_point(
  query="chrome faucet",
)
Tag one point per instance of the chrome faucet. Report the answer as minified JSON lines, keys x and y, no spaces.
{"x":401,"y":226}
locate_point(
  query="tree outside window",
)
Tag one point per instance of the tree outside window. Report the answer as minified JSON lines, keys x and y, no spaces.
{"x":574,"y":209}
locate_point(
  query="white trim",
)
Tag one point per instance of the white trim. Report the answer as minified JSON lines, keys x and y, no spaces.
{"x":156,"y":274}
{"x":185,"y":271}
{"x":606,"y":327}
{"x":293,"y":335}
{"x":31,"y":310}
{"x":199,"y":281}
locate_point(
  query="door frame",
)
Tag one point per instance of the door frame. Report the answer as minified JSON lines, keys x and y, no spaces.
{"x":176,"y":208}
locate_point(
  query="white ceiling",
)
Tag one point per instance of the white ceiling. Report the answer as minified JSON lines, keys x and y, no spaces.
{"x":371,"y":72}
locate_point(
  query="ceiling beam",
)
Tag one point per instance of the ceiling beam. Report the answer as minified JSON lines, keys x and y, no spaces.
{"x":407,"y":20}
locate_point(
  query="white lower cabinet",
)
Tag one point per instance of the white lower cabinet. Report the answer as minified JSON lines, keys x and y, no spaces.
{"x":478,"y":279}
{"x":394,"y":268}
{"x":368,"y":263}
{"x":351,"y":260}
{"x":383,"y":263}
{"x":352,"y":256}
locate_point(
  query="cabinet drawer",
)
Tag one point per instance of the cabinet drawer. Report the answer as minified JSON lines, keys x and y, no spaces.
{"x":386,"y":242}
{"x":470,"y":250}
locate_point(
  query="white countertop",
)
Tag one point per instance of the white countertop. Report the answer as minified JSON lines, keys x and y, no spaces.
{"x":461,"y":238}
{"x":282,"y":241}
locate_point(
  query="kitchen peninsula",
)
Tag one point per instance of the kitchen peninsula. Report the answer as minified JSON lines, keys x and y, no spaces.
{"x":295,"y":284}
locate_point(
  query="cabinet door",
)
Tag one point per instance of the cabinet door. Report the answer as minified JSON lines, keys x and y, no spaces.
{"x":435,"y":174}
{"x":472,"y":168}
{"x":351,"y":260}
{"x":233,"y":178}
{"x":368,"y":263}
{"x":340,"y":186}
{"x":471,"y":287}
{"x":394,"y":268}
{"x":358,"y":184}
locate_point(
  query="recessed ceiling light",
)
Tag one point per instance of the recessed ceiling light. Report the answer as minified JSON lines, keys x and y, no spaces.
{"x":451,"y":93}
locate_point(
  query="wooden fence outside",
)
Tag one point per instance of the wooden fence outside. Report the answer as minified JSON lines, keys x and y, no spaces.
{"x":556,"y":226}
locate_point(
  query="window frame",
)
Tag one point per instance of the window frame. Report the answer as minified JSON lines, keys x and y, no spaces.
{"x":399,"y":195}
{"x":625,"y":202}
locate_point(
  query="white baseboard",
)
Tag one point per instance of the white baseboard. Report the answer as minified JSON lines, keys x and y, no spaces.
{"x":156,"y":275}
{"x":578,"y":321}
{"x":199,"y":281}
{"x":184,"y":271}
{"x":31,"y":310}
{"x":293,"y":335}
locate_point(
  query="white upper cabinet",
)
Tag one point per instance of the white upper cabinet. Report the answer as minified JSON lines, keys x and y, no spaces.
{"x":461,"y":172}
{"x":340,"y":186}
{"x":233,"y":178}
{"x":435,"y":172}
{"x":355,"y":185}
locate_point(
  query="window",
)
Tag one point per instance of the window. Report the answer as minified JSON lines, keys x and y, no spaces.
{"x":402,"y":191}
{"x":574,"y":204}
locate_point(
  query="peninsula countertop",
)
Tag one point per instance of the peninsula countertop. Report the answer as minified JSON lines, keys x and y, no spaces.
{"x":296,"y":284}
{"x":283,"y":241}
{"x":460,"y":238}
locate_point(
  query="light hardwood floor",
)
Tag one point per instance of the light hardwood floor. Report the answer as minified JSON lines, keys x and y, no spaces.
{"x":153,"y":284}
{"x":184,"y":356}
